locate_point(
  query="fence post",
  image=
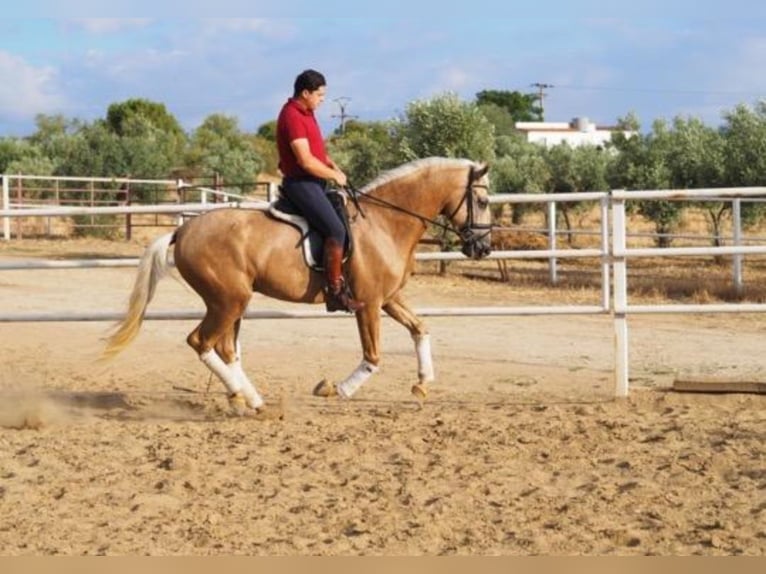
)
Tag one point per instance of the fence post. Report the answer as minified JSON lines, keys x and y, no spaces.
{"x":606,"y":265}
{"x":181,"y":193}
{"x":736,"y":216}
{"x":217,"y":184}
{"x":128,"y":218}
{"x":552,"y":241}
{"x":19,"y":201}
{"x":619,"y":311}
{"x":6,"y":205}
{"x":92,"y":195}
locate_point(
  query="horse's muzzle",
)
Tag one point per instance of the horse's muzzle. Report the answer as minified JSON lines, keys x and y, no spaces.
{"x":476,"y":247}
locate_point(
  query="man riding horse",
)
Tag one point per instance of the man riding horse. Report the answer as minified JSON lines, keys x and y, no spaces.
{"x":307,"y":168}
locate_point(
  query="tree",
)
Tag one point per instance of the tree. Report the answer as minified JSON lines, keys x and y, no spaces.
{"x":695,"y":157}
{"x":744,"y":134}
{"x":444,"y":126}
{"x":119,"y":116}
{"x":266,"y":150}
{"x":641,"y":163}
{"x":268,"y":131}
{"x":19,"y":156}
{"x":500,"y":118}
{"x":521,"y":107}
{"x":629,"y":123}
{"x":142,"y":150}
{"x":363,"y":150}
{"x":575,"y":170}
{"x":218,"y":146}
{"x":95,"y":151}
{"x":13,"y":150}
{"x":519,"y":168}
{"x":54,"y":136}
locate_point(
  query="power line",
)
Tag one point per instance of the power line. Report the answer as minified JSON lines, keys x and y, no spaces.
{"x":342,"y":101}
{"x":660,"y":90}
{"x":541,"y":94}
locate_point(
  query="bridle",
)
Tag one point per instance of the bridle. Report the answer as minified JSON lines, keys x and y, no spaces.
{"x":467,"y":232}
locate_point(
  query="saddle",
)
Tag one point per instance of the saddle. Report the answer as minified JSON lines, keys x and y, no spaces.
{"x":283,"y":209}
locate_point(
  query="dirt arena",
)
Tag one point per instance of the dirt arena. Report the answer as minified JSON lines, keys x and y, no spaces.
{"x":519,"y":449}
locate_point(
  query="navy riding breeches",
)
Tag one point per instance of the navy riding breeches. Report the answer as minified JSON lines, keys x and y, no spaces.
{"x":308,"y":195}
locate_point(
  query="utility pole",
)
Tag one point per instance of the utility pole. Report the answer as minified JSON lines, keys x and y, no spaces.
{"x":342,"y":101}
{"x":541,"y":94}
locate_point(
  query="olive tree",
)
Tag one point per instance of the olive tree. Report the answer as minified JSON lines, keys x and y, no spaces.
{"x":444,"y":126}
{"x":364,"y":150}
{"x":744,"y":134}
{"x":218,"y":146}
{"x":575,"y":170}
{"x":520,"y":167}
{"x":695,"y":157}
{"x":641,"y":163}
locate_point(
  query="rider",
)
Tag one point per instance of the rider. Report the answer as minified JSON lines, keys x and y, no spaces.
{"x":307,"y":168}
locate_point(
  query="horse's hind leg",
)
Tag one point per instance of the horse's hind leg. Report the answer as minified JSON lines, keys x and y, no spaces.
{"x":400,"y":312}
{"x":228,"y":347}
{"x":214,"y":335}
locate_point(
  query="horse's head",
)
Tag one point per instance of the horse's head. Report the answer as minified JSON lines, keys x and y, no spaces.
{"x":470,"y":214}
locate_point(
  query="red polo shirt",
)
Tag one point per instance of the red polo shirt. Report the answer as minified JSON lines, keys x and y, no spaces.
{"x":295,"y":122}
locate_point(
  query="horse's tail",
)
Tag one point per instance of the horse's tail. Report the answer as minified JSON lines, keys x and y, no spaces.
{"x":152,"y":267}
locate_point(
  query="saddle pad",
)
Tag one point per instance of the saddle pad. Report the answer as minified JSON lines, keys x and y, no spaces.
{"x":311,"y":241}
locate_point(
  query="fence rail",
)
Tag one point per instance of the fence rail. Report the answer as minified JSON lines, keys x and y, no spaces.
{"x":27,"y":191}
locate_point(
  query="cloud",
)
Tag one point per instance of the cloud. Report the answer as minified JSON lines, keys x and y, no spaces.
{"x":109,"y":25}
{"x":272,"y":28}
{"x":25,"y":90}
{"x":455,"y":79}
{"x":133,"y":67}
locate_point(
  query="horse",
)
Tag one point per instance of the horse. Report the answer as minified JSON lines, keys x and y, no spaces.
{"x":227,"y":254}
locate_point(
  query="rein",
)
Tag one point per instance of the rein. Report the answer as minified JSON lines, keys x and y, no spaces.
{"x":465,"y":232}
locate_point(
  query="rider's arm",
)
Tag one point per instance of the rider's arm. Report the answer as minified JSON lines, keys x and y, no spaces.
{"x":312,"y":165}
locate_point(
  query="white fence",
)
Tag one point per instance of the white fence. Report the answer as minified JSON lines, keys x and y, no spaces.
{"x":35,"y":191}
{"x":612,"y":252}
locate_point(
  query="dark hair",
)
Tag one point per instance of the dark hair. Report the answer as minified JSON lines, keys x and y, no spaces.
{"x":310,"y":80}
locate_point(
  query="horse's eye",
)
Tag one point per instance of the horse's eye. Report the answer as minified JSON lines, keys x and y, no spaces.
{"x":483,"y":202}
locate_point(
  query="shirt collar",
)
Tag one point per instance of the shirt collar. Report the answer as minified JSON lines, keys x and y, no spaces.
{"x":298,"y":106}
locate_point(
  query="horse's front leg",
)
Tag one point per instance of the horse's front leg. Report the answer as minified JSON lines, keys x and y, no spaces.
{"x":400,"y":312}
{"x":368,"y":324}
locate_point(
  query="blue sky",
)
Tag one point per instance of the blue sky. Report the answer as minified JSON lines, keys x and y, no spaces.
{"x":658,"y":64}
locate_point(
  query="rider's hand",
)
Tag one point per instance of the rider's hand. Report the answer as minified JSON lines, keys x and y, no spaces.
{"x":340,"y":178}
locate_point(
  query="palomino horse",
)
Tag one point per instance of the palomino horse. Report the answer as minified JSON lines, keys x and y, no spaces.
{"x":226,"y":254}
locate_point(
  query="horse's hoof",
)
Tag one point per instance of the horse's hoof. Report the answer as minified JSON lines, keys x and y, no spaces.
{"x":420,"y":391}
{"x":325,"y":389}
{"x":237,"y":404}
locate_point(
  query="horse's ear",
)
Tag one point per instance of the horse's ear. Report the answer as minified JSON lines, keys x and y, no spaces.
{"x":480,"y":171}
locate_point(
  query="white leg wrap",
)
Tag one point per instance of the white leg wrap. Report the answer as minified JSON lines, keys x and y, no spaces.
{"x":356,"y":379}
{"x":252,"y":397}
{"x":221,"y":370}
{"x":425,"y":362}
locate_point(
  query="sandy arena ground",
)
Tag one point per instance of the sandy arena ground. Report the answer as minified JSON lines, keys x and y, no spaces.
{"x":519,"y":449}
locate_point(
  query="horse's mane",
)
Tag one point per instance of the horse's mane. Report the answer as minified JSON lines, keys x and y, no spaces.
{"x":412,"y":167}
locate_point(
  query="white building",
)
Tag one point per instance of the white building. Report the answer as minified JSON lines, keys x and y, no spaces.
{"x":580,"y":131}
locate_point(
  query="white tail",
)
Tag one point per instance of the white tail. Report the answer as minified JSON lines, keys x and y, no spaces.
{"x":152,"y":267}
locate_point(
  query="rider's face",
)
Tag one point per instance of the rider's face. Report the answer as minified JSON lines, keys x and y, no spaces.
{"x":314,"y":99}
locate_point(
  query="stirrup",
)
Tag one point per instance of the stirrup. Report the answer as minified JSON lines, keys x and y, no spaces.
{"x":343,"y":300}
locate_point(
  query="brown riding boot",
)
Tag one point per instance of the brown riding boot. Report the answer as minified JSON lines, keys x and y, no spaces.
{"x":337,"y":294}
